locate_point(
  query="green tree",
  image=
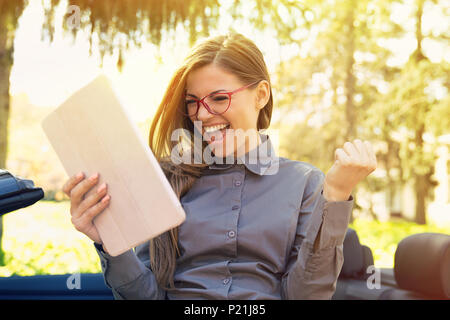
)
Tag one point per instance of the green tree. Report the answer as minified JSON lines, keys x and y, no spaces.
{"x":332,"y":83}
{"x":411,"y":108}
{"x":346,"y":83}
{"x":119,"y":24}
{"x":10,"y":11}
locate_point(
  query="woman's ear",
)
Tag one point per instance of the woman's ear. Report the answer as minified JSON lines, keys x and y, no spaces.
{"x":262,"y":94}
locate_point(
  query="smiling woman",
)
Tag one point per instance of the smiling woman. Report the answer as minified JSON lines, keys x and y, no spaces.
{"x":219,"y":64}
{"x":230,"y":74}
{"x":251,"y":232}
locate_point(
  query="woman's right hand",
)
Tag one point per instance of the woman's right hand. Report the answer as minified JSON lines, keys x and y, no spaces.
{"x":84,"y":210}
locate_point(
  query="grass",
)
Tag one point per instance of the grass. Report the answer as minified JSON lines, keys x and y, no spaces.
{"x":40,"y":239}
{"x":383,"y":237}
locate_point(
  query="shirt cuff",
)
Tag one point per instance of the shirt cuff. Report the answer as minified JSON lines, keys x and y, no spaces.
{"x":330,"y":222}
{"x":120,"y":270}
{"x":336,"y":217}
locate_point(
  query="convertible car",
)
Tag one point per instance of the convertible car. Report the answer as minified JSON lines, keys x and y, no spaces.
{"x":421,"y":265}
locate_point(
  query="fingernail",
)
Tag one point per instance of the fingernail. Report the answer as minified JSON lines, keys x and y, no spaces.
{"x":80,"y":175}
{"x":106,"y":198}
{"x":101,"y":188}
{"x":94,"y":177}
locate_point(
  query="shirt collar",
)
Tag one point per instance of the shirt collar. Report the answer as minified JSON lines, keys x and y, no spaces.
{"x":260,"y":160}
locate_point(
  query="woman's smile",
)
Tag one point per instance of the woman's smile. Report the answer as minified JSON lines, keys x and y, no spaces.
{"x":215,"y":133}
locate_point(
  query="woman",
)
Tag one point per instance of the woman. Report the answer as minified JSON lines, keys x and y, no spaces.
{"x":258,"y":226}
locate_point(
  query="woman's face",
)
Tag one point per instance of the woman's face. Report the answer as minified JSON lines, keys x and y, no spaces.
{"x":242,"y":113}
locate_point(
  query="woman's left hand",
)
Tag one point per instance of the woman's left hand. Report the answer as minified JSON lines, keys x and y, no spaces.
{"x":354,"y":162}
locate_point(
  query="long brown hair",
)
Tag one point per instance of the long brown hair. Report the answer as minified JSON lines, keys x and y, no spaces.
{"x":236,"y":54}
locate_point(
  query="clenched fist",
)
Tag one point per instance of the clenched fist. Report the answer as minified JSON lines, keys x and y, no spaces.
{"x":353,"y":163}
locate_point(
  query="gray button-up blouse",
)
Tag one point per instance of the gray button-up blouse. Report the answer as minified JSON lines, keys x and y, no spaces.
{"x":253,"y":230}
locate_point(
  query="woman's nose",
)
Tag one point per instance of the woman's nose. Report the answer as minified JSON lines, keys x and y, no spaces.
{"x":203,"y":113}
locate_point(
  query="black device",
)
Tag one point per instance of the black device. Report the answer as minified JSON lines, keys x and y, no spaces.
{"x":16,"y":192}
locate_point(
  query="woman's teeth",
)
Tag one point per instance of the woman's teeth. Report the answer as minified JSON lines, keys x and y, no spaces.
{"x":215,"y":128}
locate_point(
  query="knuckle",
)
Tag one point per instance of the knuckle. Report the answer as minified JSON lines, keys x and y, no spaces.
{"x":98,"y":206}
{"x":100,"y":193}
{"x":346,"y":163}
{"x":74,"y":220}
{"x":92,"y":212}
{"x":356,"y":165}
{"x":65,"y":188}
{"x":362,"y":164}
{"x":103,"y":202}
{"x":89,"y":213}
{"x":353,"y":165}
{"x":78,"y":227}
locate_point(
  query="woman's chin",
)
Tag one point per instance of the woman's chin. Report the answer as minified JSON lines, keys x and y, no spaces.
{"x":219,"y":149}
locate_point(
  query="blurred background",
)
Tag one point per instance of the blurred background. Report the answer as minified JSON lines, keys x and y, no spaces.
{"x":340,"y":70}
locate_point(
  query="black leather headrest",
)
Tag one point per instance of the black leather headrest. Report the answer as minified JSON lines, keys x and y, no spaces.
{"x":356,"y":257}
{"x":422,"y":264}
{"x":353,"y":257}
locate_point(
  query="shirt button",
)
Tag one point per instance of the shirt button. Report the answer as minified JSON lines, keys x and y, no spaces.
{"x":237,"y":183}
{"x":231,"y":233}
{"x":225,"y":281}
{"x":235,"y":207}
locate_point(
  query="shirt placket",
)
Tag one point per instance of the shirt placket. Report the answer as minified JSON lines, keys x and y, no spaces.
{"x":232,"y":219}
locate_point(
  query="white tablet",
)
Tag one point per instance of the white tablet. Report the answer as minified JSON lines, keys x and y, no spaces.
{"x":92,"y":132}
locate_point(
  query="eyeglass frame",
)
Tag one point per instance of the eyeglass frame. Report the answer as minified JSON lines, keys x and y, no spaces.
{"x":208,"y":95}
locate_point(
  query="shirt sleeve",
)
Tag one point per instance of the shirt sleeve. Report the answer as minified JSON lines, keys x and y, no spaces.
{"x":129,"y":275}
{"x":316,"y":258}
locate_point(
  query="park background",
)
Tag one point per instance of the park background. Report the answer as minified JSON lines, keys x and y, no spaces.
{"x":340,"y":69}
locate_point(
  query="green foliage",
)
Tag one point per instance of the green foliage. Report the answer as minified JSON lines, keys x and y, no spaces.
{"x":40,"y":239}
{"x":117,"y":25}
{"x":408,"y":105}
{"x":383,"y":237}
{"x":343,"y":87}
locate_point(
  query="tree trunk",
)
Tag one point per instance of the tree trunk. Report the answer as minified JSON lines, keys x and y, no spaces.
{"x":421,"y":189}
{"x":421,"y":183}
{"x":6,"y":51}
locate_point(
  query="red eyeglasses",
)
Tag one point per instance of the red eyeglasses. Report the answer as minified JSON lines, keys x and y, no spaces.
{"x":216,"y":102}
